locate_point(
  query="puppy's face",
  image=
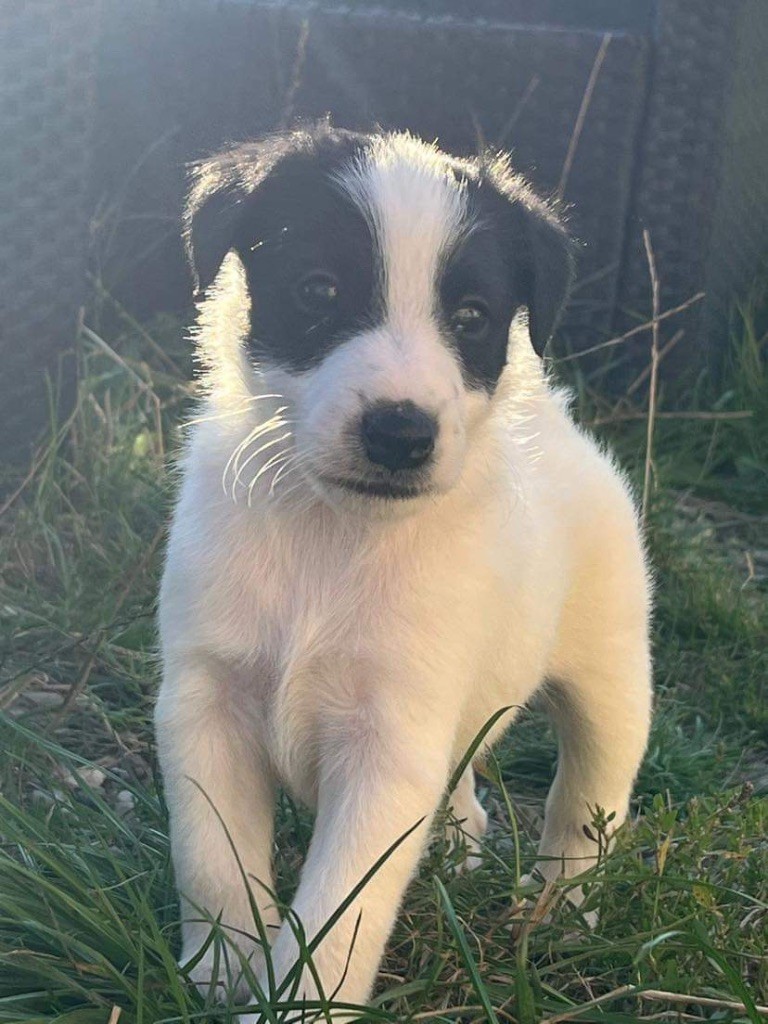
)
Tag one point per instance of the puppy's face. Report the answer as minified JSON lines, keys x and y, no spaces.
{"x":383,"y":277}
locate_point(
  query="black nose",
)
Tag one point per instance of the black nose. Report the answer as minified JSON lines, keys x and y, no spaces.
{"x":398,"y":435}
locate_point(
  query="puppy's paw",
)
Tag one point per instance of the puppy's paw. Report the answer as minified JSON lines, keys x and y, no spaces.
{"x":465,"y":834}
{"x":221,"y":971}
{"x":539,"y":908}
{"x":312,"y":1017}
{"x":470,"y":852}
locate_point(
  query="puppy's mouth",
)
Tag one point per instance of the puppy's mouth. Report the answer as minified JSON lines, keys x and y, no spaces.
{"x":377,"y":488}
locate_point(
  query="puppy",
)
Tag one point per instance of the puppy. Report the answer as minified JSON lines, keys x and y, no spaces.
{"x":388,"y":530}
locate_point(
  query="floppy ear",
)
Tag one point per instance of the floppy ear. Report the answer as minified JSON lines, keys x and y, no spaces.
{"x":540,"y":249}
{"x":548,"y":274}
{"x":209,"y":224}
{"x":224,"y":189}
{"x":220,"y":190}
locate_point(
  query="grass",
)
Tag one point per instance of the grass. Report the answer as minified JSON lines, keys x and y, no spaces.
{"x":88,"y":914}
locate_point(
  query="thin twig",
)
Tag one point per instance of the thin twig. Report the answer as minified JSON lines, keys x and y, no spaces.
{"x":289,"y":104}
{"x":576,"y":1011}
{"x":114,"y":1016}
{"x":666,"y":1014}
{"x":522,"y":103}
{"x":657,"y":995}
{"x":625,"y":417}
{"x":654,"y":995}
{"x":448,"y":1011}
{"x":643,"y":376}
{"x":652,"y":394}
{"x":648,"y":325}
{"x":586,"y":101}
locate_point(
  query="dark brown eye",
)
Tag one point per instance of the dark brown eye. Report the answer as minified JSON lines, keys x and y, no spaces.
{"x":317,"y":293}
{"x":471,"y":320}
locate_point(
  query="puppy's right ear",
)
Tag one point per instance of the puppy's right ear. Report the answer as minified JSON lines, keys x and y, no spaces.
{"x":220,"y":193}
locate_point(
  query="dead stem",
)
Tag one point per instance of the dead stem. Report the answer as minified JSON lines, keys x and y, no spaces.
{"x":634,"y":331}
{"x":657,"y":995}
{"x":625,"y":417}
{"x":643,"y":376}
{"x":581,"y":118}
{"x":576,"y":1011}
{"x":654,"y":372}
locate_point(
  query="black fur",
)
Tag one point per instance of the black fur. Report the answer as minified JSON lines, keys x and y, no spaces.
{"x":517,"y":254}
{"x":277,"y":203}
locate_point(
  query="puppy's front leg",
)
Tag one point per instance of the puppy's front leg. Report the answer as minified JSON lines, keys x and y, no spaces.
{"x":383,"y":768}
{"x":215,"y":780}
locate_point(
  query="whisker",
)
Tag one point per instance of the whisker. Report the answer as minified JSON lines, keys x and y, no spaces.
{"x":290,"y":490}
{"x":284,"y":454}
{"x":235,"y":455}
{"x":285,"y":470}
{"x":301,"y":460}
{"x":258,"y":431}
{"x":237,"y":449}
{"x":253,"y":455}
{"x":244,"y":403}
{"x":280,"y":464}
{"x":250,"y":436}
{"x":274,"y":460}
{"x":240,"y":466}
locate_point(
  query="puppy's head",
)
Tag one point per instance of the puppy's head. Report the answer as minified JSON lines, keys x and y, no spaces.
{"x":383,"y":277}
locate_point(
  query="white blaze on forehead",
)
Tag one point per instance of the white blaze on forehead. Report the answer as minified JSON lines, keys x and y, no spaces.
{"x":416,"y":209}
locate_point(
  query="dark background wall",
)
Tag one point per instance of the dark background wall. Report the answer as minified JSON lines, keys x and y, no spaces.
{"x":178,"y":89}
{"x":675,"y":136}
{"x":178,"y":79}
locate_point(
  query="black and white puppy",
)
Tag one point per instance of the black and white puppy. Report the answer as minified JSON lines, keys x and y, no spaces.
{"x":388,"y":529}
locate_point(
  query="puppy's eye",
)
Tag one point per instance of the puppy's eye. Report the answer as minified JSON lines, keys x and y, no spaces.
{"x":317,"y":292}
{"x":471,"y":320}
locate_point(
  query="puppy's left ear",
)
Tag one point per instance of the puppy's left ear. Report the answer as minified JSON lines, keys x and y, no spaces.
{"x":547,"y":271}
{"x":210,"y":218}
{"x":540,"y":251}
{"x":221,"y":190}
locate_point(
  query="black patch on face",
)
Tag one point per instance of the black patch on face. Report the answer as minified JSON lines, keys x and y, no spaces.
{"x":515,"y":253}
{"x":310,"y":263}
{"x":307,"y":249}
{"x":313,"y":271}
{"x":479,"y":293}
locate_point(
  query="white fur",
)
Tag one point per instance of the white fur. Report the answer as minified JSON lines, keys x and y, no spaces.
{"x":351,"y":649}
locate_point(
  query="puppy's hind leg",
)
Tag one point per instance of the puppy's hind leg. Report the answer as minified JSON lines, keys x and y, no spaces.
{"x":220,"y":799}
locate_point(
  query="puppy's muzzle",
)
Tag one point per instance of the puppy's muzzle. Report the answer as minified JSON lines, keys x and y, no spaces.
{"x":398,"y":435}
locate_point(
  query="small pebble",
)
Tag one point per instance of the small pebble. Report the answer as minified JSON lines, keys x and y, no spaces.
{"x":92,"y":777}
{"x":125,"y":802}
{"x":45,"y":698}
